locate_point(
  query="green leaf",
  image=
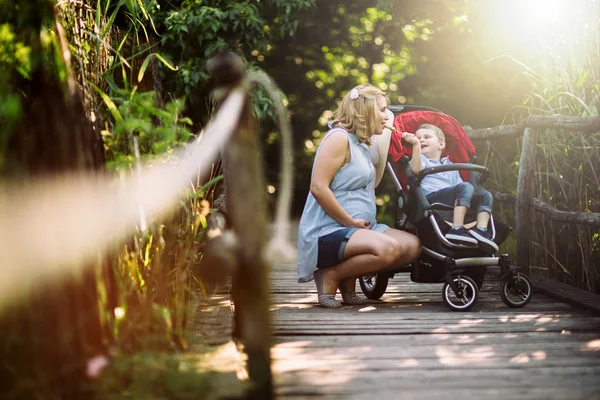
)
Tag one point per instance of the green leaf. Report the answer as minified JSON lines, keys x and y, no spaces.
{"x":131,"y":6}
{"x":109,"y":103}
{"x":147,"y":62}
{"x":98,"y":13}
{"x":200,"y":192}
{"x":111,"y":21}
{"x":141,"y":4}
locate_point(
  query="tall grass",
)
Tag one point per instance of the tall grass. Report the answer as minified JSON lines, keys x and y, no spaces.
{"x":567,"y":82}
{"x":144,"y":284}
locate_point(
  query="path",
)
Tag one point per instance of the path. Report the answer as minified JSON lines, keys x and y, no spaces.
{"x":411,"y":346}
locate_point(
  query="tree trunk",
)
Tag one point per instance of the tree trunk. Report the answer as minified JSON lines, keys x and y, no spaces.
{"x":50,"y":334}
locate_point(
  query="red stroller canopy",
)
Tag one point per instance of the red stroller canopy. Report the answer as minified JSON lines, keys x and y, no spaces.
{"x":458,"y":145}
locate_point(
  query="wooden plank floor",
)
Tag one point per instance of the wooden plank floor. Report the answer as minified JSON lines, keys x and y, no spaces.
{"x":411,"y":346}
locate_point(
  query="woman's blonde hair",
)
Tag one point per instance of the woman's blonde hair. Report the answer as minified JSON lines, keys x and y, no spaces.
{"x":359,"y":114}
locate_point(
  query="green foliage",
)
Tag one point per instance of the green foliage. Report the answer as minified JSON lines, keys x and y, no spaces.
{"x":343,"y":43}
{"x":154,"y":376}
{"x":14,"y":54}
{"x":158,"y":131}
{"x":194,"y":32}
{"x":22,"y":52}
{"x":565,"y":83}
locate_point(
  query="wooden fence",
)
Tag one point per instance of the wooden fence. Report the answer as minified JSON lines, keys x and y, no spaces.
{"x":246,"y":209}
{"x":530,"y":128}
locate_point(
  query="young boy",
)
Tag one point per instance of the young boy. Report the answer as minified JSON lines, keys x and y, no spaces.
{"x":428,"y":143}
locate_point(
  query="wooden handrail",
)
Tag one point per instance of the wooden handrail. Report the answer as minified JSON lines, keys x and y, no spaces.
{"x":569,"y":217}
{"x":530,"y":128}
{"x":561,"y":122}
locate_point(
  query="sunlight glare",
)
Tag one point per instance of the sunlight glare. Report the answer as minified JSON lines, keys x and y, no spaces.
{"x":544,"y":13}
{"x":520,"y":359}
{"x":526,"y":27}
{"x":471,"y":321}
{"x":539,"y":355}
{"x":367,"y":309}
{"x":594,"y":345}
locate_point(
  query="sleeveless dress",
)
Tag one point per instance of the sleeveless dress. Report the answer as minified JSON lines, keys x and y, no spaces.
{"x":352,"y":187}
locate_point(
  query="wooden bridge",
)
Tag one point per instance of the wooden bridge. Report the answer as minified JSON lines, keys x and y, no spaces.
{"x":410,"y":345}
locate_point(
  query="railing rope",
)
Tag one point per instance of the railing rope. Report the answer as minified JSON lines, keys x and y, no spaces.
{"x":54,"y":226}
{"x":280,"y":248}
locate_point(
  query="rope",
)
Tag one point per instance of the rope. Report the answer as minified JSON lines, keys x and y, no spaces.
{"x":279,"y":247}
{"x":62,"y":224}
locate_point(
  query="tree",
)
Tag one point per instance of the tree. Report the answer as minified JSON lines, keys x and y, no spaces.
{"x":45,"y":132}
{"x":192,"y":33}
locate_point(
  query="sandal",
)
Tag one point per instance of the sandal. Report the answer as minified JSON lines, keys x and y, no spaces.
{"x":326,"y":300}
{"x":350,"y":297}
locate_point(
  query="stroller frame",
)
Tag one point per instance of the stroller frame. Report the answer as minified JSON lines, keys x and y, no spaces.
{"x":461,"y":268}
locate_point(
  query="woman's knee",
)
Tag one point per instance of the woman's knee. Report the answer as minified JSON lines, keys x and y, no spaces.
{"x":411,"y":248}
{"x":403,"y":246}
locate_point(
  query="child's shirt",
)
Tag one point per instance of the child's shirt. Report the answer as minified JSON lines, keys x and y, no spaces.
{"x":434,"y":182}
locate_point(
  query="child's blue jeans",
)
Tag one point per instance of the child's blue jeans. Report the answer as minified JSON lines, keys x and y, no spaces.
{"x":463,"y":194}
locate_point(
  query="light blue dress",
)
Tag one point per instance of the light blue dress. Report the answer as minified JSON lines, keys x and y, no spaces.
{"x":351,"y":186}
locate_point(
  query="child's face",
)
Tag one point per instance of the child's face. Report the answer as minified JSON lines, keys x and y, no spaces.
{"x":431,"y":146}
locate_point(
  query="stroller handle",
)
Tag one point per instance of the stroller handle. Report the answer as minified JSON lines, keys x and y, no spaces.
{"x":484,"y":171}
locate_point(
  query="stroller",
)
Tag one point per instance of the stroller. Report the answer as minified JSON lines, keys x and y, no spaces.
{"x":461,"y":268}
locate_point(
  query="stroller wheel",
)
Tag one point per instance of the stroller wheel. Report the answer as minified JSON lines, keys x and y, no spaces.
{"x":516,"y":290}
{"x":374,"y":285}
{"x":466,"y":296}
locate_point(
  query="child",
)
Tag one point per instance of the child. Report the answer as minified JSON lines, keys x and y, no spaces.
{"x":428,"y":143}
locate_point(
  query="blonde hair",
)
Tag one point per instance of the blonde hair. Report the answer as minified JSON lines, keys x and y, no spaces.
{"x":438,"y":132}
{"x":359,"y":115}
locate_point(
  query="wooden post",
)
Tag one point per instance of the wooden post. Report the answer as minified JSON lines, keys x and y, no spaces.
{"x":245,"y":199}
{"x":524,"y":195}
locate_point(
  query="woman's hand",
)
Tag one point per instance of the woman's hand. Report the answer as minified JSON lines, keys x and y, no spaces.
{"x":361,"y":223}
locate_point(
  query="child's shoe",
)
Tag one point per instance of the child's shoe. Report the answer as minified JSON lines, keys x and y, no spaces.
{"x":484,"y":240}
{"x":460,"y":236}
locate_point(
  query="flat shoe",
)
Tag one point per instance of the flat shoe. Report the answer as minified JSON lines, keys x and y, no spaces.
{"x":325,"y":300}
{"x":350,"y":297}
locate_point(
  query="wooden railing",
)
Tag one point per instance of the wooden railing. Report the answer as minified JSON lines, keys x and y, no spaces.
{"x":61,"y":245}
{"x":246,"y":209}
{"x":524,"y":201}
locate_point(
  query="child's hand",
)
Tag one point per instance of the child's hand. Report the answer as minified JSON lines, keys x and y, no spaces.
{"x":410,"y":138}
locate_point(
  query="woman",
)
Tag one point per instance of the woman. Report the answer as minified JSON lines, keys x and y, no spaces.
{"x":338,"y":238}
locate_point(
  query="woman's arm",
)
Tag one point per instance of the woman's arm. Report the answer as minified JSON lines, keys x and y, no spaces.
{"x":332,"y":155}
{"x":383,"y":146}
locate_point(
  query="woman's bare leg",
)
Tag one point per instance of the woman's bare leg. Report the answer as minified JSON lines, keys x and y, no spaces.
{"x":348,"y":285}
{"x":369,"y":251}
{"x":410,"y":246}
